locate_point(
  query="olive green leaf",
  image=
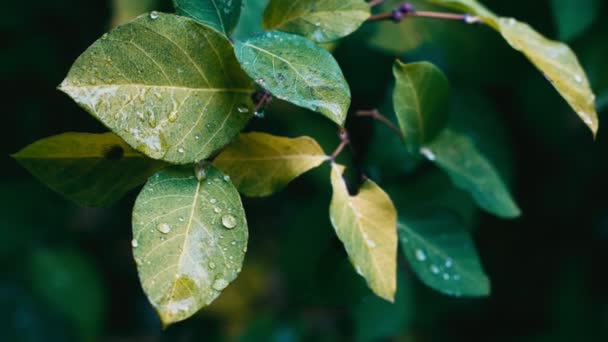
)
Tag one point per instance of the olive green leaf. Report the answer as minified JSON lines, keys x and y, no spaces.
{"x":296,"y":70}
{"x":189,"y":239}
{"x":261,"y":164}
{"x":469,"y":170}
{"x":90,"y":169}
{"x":319,"y":20}
{"x":442,"y":254}
{"x":222,"y":15}
{"x":169,"y":86}
{"x":420,"y":100}
{"x":555,"y":60}
{"x":366,"y":225}
{"x":124,"y":11}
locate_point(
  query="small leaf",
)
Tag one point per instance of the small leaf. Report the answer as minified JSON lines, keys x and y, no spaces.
{"x":169,"y":86}
{"x":366,"y":225}
{"x":469,"y":170}
{"x":554,"y":59}
{"x":222,"y":15}
{"x":296,"y":70}
{"x":319,"y":20}
{"x":90,"y":169}
{"x":260,"y":164}
{"x":442,"y":254}
{"x":574,"y":17}
{"x":189,"y":240}
{"x":420,"y":100}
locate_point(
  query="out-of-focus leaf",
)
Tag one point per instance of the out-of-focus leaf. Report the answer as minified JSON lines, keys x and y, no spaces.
{"x":555,"y":60}
{"x":574,"y":17}
{"x":169,"y":86}
{"x":442,"y":254}
{"x":260,"y":164}
{"x":472,"y":172}
{"x":420,"y":100}
{"x":124,"y":11}
{"x":251,"y":18}
{"x":222,"y":15}
{"x":377,"y":319}
{"x":69,"y":284}
{"x":319,"y":20}
{"x":296,"y":70}
{"x":189,"y":239}
{"x":90,"y":169}
{"x":366,"y":225}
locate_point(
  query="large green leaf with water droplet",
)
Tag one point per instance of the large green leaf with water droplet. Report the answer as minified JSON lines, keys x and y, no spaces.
{"x":469,"y":170}
{"x":90,"y":169}
{"x":261,"y":164}
{"x":319,"y":20}
{"x":169,"y":86}
{"x":296,"y":70}
{"x":420,"y":100}
{"x":189,"y":240}
{"x":222,"y":15}
{"x":555,"y":60}
{"x":442,"y":254}
{"x":366,"y":225}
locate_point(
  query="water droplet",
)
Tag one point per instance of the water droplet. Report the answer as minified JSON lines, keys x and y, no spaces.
{"x":134,"y":243}
{"x":213,"y":201}
{"x":172,"y":117}
{"x":471,"y":19}
{"x":370,"y":243}
{"x":420,"y":255}
{"x":200,"y":171}
{"x":512,"y":21}
{"x":359,"y":270}
{"x":197,"y":137}
{"x":226,"y":178}
{"x":233,"y":242}
{"x":153,"y":15}
{"x":259,"y":114}
{"x":428,"y":153}
{"x":164,"y":228}
{"x":243,"y":109}
{"x":578,"y":78}
{"x":456,"y":277}
{"x":446,"y":276}
{"x":260,"y":81}
{"x":181,"y":150}
{"x":220,"y":284}
{"x":449,"y":263}
{"x":229,"y":221}
{"x":217,"y":210}
{"x":245,"y":249}
{"x":211,"y":265}
{"x":221,"y":237}
{"x":434,"y":269}
{"x":181,"y":219}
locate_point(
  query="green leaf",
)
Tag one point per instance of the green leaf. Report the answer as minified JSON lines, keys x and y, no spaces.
{"x":89,"y":169}
{"x":222,"y":15}
{"x":420,"y":99}
{"x":296,"y":70}
{"x":574,"y":17}
{"x":70,"y":285}
{"x":124,"y":11}
{"x":169,"y":86}
{"x":251,"y":19}
{"x":469,"y":170}
{"x":366,"y":225}
{"x":319,"y":20}
{"x":261,"y":164}
{"x":442,"y":254}
{"x":189,"y":240}
{"x":554,"y":59}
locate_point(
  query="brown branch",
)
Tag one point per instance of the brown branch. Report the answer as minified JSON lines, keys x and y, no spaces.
{"x":344,"y":140}
{"x":375,"y":3}
{"x":406,"y":10}
{"x":375,"y":114}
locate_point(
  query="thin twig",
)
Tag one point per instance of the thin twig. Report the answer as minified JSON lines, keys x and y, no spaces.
{"x":266,"y":98}
{"x":375,"y":114}
{"x":406,"y":10}
{"x":344,"y":140}
{"x":374,"y":3}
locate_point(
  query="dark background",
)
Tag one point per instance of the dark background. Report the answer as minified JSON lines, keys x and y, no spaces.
{"x":67,"y":272}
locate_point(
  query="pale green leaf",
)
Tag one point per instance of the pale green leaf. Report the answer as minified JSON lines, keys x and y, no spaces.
{"x":189,"y":240}
{"x":296,"y":70}
{"x":555,"y":60}
{"x":420,"y":100}
{"x":366,"y":225}
{"x":169,"y":86}
{"x":319,"y":20}
{"x":469,"y":170}
{"x":442,"y":254}
{"x":222,"y":15}
{"x":90,"y":169}
{"x":260,"y":164}
{"x":574,"y":17}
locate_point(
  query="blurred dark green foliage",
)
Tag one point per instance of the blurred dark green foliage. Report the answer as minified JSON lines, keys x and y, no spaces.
{"x":546,"y":268}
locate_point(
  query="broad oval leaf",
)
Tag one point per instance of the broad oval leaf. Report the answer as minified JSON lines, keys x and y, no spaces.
{"x":420,"y":100}
{"x":222,"y":15}
{"x":469,"y":170}
{"x":319,"y":20}
{"x":554,"y":59}
{"x":90,"y":169}
{"x":260,"y":164}
{"x":169,"y":86}
{"x":366,"y":225}
{"x":442,"y":254}
{"x":296,"y":70}
{"x":189,"y":240}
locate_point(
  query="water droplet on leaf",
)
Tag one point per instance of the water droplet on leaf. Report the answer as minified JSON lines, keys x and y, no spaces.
{"x":164,"y":228}
{"x":229,"y":221}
